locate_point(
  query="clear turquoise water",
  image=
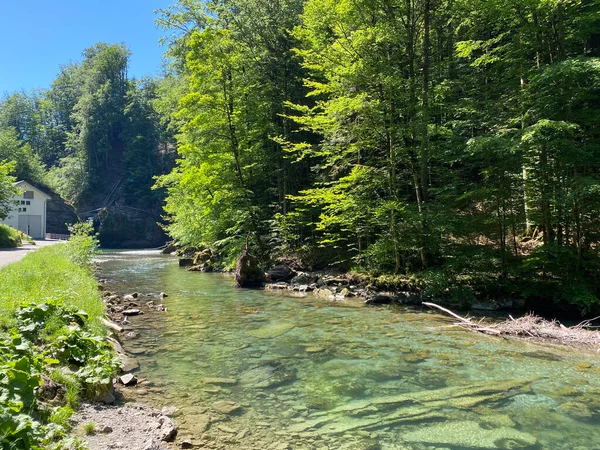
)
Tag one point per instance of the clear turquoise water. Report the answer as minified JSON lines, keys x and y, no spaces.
{"x":317,"y":375}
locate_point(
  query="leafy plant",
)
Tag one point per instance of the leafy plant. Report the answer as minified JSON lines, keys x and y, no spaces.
{"x":83,"y":243}
{"x":47,"y":318}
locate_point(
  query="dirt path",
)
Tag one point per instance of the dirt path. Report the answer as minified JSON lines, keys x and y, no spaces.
{"x":11,"y":255}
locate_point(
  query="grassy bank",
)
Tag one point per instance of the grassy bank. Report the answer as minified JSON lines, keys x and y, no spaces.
{"x":53,"y":350}
{"x":9,"y":237}
{"x":49,"y":273}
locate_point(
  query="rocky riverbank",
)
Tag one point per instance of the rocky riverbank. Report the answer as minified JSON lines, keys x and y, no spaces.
{"x":119,"y":420}
{"x":327,"y":285}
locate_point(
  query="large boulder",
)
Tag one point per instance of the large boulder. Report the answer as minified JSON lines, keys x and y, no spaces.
{"x":248,"y":273}
{"x":281,"y":272}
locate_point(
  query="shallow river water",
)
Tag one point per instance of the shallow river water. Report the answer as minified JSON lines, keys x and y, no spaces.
{"x":310,"y":374}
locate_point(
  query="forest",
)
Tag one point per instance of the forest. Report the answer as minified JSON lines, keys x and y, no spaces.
{"x":445,"y":146}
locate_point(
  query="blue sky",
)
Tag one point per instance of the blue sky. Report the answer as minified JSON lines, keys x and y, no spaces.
{"x":38,"y":36}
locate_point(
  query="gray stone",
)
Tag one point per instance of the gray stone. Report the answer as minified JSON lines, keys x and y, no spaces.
{"x":153,"y":445}
{"x":169,"y":411}
{"x":132,"y":312}
{"x":167,"y":430}
{"x":128,"y":363}
{"x":128,"y":379}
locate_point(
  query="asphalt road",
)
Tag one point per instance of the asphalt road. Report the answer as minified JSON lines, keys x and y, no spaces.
{"x":11,"y":255}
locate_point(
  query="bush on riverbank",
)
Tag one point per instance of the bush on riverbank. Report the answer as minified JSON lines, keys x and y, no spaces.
{"x":9,"y":237}
{"x":52,"y":346}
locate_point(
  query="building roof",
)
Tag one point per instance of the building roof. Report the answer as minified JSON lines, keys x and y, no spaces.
{"x":28,"y":186}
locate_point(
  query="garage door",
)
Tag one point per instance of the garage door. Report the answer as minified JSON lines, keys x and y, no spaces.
{"x":31,"y":225}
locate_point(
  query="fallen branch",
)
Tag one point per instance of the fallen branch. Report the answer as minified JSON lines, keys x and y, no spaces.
{"x":447,"y":311}
{"x":111,"y":325}
{"x":534,"y":327}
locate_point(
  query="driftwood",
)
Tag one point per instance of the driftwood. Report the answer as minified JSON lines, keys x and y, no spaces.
{"x":464,"y":322}
{"x":111,"y":325}
{"x":533,"y":327}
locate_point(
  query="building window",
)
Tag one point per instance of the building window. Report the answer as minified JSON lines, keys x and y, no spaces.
{"x":19,"y":209}
{"x":24,"y":209}
{"x":28,"y":194}
{"x":28,"y":202}
{"x":22,"y":202}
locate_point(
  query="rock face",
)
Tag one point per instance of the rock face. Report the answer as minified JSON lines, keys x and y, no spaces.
{"x":59,"y":214}
{"x":247,"y":271}
{"x":124,"y":227}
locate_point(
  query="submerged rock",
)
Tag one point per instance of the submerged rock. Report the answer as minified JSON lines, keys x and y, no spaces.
{"x":272,"y":330}
{"x":220,"y":381}
{"x":268,"y":376}
{"x":325,"y":294}
{"x":225,"y":407}
{"x":470,"y":434}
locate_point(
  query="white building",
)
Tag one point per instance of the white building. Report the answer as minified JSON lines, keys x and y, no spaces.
{"x":29,"y":211}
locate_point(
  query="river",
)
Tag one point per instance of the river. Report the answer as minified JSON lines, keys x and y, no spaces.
{"x":311,"y":374}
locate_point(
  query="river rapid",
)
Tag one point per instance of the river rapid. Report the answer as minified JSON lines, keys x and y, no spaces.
{"x":312,"y":374}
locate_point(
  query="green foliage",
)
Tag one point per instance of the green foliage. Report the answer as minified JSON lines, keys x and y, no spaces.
{"x":28,"y":166}
{"x":83,"y":244}
{"x":7,"y":188}
{"x":452,"y":142}
{"x":19,"y":381}
{"x":46,"y":319}
{"x":55,"y":335}
{"x":9,"y":237}
{"x":72,"y":385}
{"x":88,"y":352}
{"x":89,"y":428}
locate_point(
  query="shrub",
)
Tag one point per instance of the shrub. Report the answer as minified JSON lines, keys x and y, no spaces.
{"x":83,"y":244}
{"x":9,"y":237}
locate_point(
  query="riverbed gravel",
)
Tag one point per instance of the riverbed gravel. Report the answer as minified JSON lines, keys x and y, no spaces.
{"x":129,"y":427}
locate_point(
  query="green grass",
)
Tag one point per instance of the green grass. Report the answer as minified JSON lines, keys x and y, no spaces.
{"x":9,"y":237}
{"x":89,"y":428}
{"x":49,"y":273}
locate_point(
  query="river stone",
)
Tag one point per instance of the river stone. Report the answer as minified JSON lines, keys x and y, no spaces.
{"x":219,"y":381}
{"x":267,"y":376}
{"x":168,"y":430}
{"x":225,"y":407}
{"x":132,"y":312}
{"x":469,"y":434}
{"x":272,"y":330}
{"x":168,"y":411}
{"x":128,"y":364}
{"x":325,"y":294}
{"x":128,"y":379}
